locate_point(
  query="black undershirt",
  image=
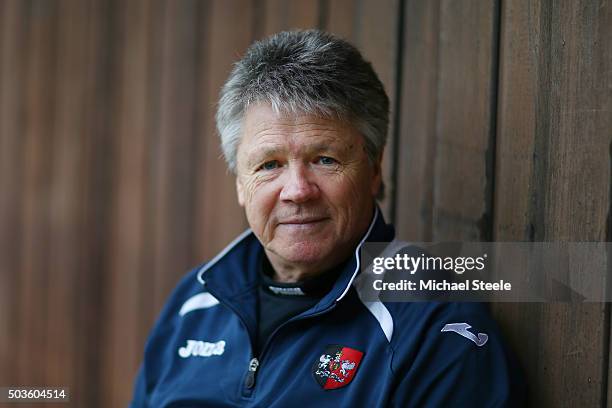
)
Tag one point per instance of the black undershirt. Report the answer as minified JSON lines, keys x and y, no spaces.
{"x":279,"y":302}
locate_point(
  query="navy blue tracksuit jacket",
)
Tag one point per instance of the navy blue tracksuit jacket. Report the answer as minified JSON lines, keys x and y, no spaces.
{"x":340,"y":353}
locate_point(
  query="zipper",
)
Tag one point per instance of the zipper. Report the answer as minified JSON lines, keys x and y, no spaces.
{"x":255,"y":362}
{"x":250,"y":379}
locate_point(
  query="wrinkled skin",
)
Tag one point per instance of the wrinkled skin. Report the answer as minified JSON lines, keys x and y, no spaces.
{"x":307,"y":187}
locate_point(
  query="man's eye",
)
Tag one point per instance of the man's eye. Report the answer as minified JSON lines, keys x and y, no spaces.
{"x":326,"y":160}
{"x":269,"y":165}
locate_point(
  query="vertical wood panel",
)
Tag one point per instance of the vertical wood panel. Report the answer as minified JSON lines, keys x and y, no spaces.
{"x":172,"y":156}
{"x":96,"y":166}
{"x":519,"y":43}
{"x":36,"y":193}
{"x":416,"y":144}
{"x":128,"y":285}
{"x":12,"y":50}
{"x":446,"y":143}
{"x":464,"y":129}
{"x":218,"y":215}
{"x":342,"y":17}
{"x":553,"y":178}
{"x":286,"y":15}
{"x":65,"y":206}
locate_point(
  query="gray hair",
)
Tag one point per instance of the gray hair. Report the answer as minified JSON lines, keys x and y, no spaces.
{"x":309,"y":72}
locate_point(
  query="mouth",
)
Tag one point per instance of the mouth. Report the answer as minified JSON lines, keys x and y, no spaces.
{"x":303,"y":221}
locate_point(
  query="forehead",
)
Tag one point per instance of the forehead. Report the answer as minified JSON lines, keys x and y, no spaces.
{"x":263,"y":126}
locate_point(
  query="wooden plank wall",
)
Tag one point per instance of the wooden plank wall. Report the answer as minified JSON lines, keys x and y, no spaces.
{"x":553,"y":172}
{"x":112,"y":186}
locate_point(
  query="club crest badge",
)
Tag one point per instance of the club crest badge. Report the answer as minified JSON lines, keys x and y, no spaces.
{"x":336,"y":367}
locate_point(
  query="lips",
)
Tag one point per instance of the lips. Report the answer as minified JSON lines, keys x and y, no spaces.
{"x":301,"y":221}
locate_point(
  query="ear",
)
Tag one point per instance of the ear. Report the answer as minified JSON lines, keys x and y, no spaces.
{"x":240,"y":191}
{"x":377,"y":175}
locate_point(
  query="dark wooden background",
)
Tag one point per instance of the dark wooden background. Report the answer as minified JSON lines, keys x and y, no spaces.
{"x":112,"y":186}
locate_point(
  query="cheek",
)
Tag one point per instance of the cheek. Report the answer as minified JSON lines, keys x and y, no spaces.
{"x":343,"y":194}
{"x":251,"y":187}
{"x":351,"y":188}
{"x":260,"y":198}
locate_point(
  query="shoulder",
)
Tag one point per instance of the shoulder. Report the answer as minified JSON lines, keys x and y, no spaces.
{"x":457,"y":346}
{"x":438,"y":313}
{"x":431,"y":323}
{"x":187,"y":289}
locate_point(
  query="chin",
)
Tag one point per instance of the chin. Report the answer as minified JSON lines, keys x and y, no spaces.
{"x":304,"y":252}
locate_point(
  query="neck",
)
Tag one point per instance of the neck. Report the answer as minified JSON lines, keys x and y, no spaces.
{"x":290,"y":272}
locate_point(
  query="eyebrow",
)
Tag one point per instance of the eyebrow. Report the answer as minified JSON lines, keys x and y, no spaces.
{"x":256,"y":155}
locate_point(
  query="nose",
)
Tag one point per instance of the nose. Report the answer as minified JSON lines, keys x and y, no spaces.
{"x":298,"y":187}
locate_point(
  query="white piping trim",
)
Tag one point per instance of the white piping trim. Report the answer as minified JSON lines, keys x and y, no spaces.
{"x":382,"y":314}
{"x":199,"y":301}
{"x":367,"y":234}
{"x":376,"y":307}
{"x":222,"y":254}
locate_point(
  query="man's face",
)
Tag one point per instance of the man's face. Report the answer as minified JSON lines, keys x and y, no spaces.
{"x":306,"y":185}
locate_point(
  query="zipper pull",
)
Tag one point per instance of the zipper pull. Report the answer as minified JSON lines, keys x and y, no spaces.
{"x":250,"y":380}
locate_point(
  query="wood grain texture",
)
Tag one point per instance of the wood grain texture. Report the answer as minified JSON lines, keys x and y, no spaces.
{"x":95,"y":186}
{"x":280,"y":15}
{"x":112,"y":183}
{"x":519,"y":41}
{"x":66,"y":206}
{"x":342,"y":18}
{"x":446,"y":140}
{"x":128,"y":287}
{"x":171,"y":154}
{"x":417,"y":141}
{"x":36,"y":194}
{"x":461,"y":202}
{"x":13,"y":25}
{"x":553,"y":181}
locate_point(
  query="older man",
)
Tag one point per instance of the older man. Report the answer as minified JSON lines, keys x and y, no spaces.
{"x":275,"y":319}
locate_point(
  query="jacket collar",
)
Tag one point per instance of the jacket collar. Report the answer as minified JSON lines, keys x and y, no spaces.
{"x":234,"y":271}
